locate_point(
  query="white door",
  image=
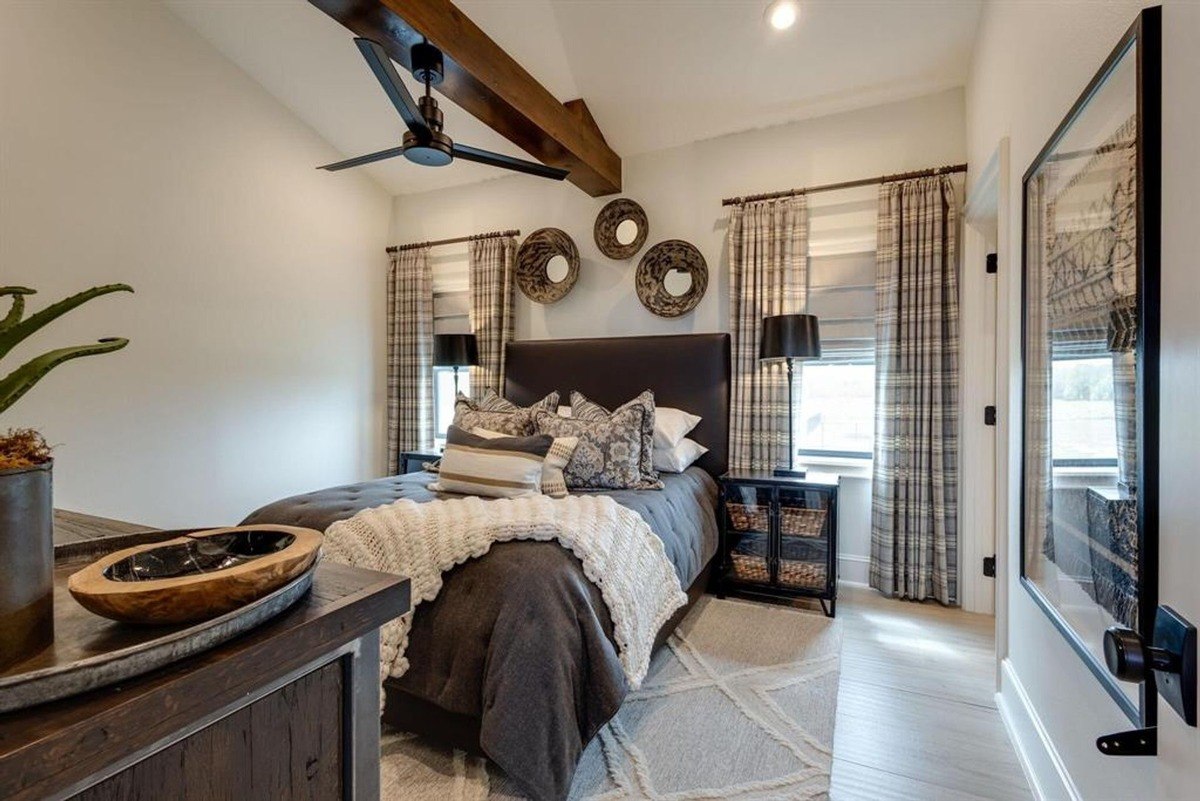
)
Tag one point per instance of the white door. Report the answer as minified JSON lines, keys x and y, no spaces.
{"x":1179,"y":463}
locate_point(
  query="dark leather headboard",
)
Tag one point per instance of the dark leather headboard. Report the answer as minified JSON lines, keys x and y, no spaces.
{"x":686,"y":371}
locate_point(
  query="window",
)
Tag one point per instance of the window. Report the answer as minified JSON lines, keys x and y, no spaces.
{"x":451,"y":315}
{"x":835,"y":404}
{"x":1085,"y":424}
{"x":836,"y":411}
{"x":443,"y":399}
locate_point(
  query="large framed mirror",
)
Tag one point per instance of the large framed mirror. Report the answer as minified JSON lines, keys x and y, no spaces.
{"x":1090,"y":258}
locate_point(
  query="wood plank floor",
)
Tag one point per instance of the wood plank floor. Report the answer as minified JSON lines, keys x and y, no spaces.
{"x":916,"y":717}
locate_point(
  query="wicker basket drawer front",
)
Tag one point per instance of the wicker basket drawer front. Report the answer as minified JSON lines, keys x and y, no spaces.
{"x":748,"y":517}
{"x":810,"y":575}
{"x":749,"y":558}
{"x":750,"y":569}
{"x":795,"y":521}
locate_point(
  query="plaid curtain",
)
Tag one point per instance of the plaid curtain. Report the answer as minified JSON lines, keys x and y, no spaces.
{"x":768,"y":262}
{"x":914,"y":516}
{"x":491,"y":280}
{"x":409,"y":354}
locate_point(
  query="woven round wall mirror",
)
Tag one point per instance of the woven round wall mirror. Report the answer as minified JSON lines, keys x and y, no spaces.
{"x":547,"y":265}
{"x":672,"y":278}
{"x":621,"y":228}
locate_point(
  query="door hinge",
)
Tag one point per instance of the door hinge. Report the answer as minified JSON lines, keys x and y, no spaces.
{"x":989,"y":566}
{"x":993,"y":264}
{"x":989,"y":415}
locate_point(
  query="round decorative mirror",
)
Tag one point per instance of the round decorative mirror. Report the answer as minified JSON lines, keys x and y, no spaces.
{"x":557,"y":269}
{"x":621,"y":228}
{"x":677,"y":283}
{"x":547,"y":265}
{"x":672,"y":278}
{"x":627,"y":231}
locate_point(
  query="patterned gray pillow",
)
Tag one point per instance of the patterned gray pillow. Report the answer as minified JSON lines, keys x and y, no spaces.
{"x":497,"y":414}
{"x":584,"y":409}
{"x":608,"y":453}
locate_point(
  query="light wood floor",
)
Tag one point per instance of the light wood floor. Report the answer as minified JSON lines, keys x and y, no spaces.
{"x":916,"y":717}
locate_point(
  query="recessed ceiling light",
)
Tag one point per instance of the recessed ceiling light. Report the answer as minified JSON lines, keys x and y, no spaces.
{"x":782,"y":14}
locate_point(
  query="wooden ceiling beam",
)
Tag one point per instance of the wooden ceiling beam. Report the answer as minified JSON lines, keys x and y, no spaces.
{"x":489,"y":84}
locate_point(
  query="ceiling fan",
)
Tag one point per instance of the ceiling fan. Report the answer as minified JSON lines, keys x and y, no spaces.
{"x":424,"y":143}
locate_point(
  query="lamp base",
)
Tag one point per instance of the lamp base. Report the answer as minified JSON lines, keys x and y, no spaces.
{"x":784,"y":472}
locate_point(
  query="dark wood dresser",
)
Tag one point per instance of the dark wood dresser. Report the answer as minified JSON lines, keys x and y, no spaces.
{"x":287,"y":711}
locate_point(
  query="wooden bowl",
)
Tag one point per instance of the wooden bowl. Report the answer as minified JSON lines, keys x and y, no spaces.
{"x":197,"y":576}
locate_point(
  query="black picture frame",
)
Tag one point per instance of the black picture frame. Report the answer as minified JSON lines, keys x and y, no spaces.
{"x":1146,"y":34}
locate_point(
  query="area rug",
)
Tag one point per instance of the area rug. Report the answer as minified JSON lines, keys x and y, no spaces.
{"x":739,"y":705}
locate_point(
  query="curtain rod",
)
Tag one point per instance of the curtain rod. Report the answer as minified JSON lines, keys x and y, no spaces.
{"x":881,"y":179}
{"x":453,"y":240}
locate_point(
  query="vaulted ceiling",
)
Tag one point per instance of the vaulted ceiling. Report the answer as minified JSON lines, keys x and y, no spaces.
{"x":655,"y":73}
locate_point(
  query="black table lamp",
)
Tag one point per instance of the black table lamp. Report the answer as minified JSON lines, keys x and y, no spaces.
{"x":455,"y":350}
{"x":790,"y":336}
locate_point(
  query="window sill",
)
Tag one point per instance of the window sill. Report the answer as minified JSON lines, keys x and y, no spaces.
{"x":845,"y":466}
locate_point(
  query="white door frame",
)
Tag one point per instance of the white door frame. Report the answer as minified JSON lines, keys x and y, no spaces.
{"x":989,"y":511}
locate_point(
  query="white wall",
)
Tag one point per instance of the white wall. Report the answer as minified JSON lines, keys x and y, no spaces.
{"x":130,"y":150}
{"x":681,"y":190}
{"x":1032,"y":61}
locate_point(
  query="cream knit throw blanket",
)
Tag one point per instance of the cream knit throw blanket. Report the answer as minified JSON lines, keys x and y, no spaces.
{"x":619,"y":552}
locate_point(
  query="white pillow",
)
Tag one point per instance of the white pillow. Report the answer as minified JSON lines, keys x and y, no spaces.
{"x":679,"y":458}
{"x":671,"y":426}
{"x":564,"y":411}
{"x":554,"y":483}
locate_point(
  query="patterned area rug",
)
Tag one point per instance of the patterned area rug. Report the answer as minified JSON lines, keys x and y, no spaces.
{"x":739,"y":705}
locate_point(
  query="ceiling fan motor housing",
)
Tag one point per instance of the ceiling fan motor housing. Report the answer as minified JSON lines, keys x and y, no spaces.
{"x":438,"y":151}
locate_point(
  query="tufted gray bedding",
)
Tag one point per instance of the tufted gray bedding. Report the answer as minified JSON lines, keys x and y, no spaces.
{"x":516,"y":651}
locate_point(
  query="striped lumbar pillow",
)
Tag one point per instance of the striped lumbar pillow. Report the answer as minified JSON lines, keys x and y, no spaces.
{"x":505,"y":467}
{"x":554,"y":483}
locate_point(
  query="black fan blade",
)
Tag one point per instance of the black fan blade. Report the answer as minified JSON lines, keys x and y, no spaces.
{"x":508,"y":162}
{"x":391,"y":152}
{"x":397,"y":92}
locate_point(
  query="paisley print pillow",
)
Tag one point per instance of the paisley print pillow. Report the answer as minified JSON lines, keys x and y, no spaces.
{"x":584,"y":409}
{"x":608,"y":455}
{"x":497,"y":414}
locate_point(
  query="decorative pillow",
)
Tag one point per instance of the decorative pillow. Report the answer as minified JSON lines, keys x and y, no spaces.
{"x":553,"y":483}
{"x":679,"y":458}
{"x":497,"y":414}
{"x":609,"y":451}
{"x":584,"y":409}
{"x":671,"y":426}
{"x":505,"y":467}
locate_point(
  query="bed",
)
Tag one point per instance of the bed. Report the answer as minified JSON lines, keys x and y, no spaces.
{"x":515,"y":658}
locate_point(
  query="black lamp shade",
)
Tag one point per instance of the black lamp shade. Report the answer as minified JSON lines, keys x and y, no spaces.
{"x":790,"y":336}
{"x":455,"y":350}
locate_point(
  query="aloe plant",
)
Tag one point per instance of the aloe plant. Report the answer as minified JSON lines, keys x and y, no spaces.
{"x":16,"y":327}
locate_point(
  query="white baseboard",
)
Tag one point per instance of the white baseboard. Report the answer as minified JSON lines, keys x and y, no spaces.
{"x":854,"y":569}
{"x":1048,"y":776}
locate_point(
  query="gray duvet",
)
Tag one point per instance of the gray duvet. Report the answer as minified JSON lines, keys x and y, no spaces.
{"x":519,"y":639}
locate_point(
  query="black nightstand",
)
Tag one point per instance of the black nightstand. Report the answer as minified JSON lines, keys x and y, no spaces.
{"x":779,"y":537}
{"x":411,"y":461}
